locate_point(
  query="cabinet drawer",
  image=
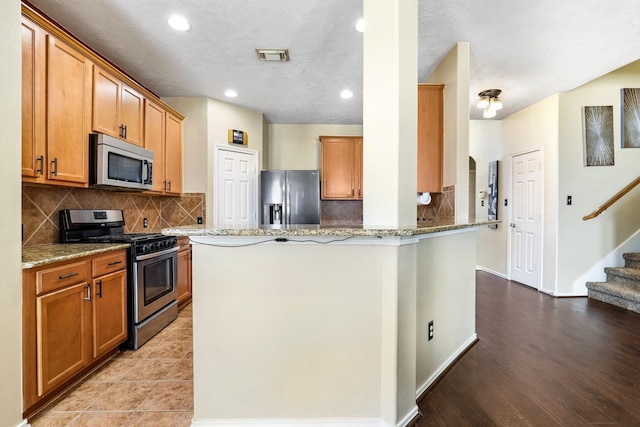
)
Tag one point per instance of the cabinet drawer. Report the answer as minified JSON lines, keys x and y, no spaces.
{"x":50,"y":279}
{"x":109,"y":263}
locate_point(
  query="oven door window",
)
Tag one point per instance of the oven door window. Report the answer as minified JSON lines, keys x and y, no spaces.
{"x":123,"y":168}
{"x":158,"y":279}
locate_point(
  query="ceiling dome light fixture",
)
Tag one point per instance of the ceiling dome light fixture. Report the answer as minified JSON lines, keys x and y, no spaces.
{"x":346,"y":94}
{"x":360,"y":25}
{"x":231,"y":93}
{"x":178,"y":22}
{"x":489,"y":102}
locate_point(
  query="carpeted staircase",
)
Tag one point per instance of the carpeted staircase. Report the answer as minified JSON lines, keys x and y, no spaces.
{"x":622,"y":287}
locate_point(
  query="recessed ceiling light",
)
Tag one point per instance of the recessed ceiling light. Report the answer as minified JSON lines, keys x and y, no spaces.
{"x":231,"y":93}
{"x":179,"y":23}
{"x":346,"y":94}
{"x":360,"y":25}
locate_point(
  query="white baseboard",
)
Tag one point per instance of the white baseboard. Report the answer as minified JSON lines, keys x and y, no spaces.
{"x":407,"y":418}
{"x":446,"y":364}
{"x":488,"y":270}
{"x":24,"y":423}
{"x":305,"y":422}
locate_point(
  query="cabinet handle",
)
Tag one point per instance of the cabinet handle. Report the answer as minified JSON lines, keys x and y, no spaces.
{"x":40,"y":170}
{"x":114,"y":263}
{"x":169,"y":185}
{"x":54,"y":172}
{"x":124,"y":127}
{"x":359,"y":191}
{"x":164,"y":183}
{"x":121,"y":128}
{"x":352,"y":192}
{"x":66,"y":276}
{"x":99,"y":291}
{"x":88,"y":298}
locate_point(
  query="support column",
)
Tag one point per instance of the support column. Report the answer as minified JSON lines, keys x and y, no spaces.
{"x":390,"y":112}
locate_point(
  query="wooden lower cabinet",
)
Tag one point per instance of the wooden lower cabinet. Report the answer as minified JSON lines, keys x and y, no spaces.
{"x":63,"y":326}
{"x":109,"y":312}
{"x":184,"y":271}
{"x":74,"y":316}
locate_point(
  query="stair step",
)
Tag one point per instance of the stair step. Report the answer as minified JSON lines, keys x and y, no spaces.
{"x":618,"y":294}
{"x":623,"y":275}
{"x":632,"y":260}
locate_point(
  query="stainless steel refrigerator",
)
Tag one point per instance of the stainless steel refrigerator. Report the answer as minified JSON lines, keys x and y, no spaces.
{"x":290,"y":197}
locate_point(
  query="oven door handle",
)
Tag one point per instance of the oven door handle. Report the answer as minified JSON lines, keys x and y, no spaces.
{"x":156,"y":254}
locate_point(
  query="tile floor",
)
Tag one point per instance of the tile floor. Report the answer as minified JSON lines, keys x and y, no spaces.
{"x":152,"y":386}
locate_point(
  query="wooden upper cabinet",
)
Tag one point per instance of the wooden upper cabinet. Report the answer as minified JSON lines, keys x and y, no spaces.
{"x":430,"y":137}
{"x":173,"y":154}
{"x":154,"y":140}
{"x":341,"y":166}
{"x":33,"y":101}
{"x":117,"y":108}
{"x":69,"y":78}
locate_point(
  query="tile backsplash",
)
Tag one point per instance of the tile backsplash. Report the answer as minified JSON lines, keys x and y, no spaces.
{"x":341,"y":212}
{"x":40,"y":206}
{"x":441,"y":210}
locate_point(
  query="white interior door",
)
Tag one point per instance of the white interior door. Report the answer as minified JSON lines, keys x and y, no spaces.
{"x":526,"y":218}
{"x":235,"y":186}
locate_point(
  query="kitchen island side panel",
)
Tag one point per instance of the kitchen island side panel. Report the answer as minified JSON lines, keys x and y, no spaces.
{"x":288,"y":331}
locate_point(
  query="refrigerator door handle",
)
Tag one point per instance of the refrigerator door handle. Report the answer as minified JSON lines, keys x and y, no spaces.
{"x":287,"y":203}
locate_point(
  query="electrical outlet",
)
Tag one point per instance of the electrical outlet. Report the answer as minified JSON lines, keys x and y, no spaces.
{"x":145,"y":222}
{"x":506,"y":202}
{"x":569,"y":200}
{"x":481,"y":202}
{"x":430,"y":331}
{"x":199,"y":220}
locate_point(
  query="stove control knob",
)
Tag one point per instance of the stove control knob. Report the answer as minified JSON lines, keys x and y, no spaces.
{"x":146,"y":248}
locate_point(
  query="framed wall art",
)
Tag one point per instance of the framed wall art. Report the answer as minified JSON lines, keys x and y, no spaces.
{"x":598,"y":135}
{"x":630,"y":100}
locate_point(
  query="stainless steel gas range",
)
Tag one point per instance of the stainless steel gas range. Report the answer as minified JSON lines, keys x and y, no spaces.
{"x":151,"y":268}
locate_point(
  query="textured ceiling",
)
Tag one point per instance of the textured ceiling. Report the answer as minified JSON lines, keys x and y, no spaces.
{"x":530,"y":50}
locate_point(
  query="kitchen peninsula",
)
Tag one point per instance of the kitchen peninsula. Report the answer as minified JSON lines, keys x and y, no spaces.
{"x":313,"y":325}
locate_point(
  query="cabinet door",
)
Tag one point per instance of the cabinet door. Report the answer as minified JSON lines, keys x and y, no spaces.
{"x":63,"y":332}
{"x":106,"y":103}
{"x":338,"y":168}
{"x":131,"y":112}
{"x":154,"y":141}
{"x":173,"y":154}
{"x":69,"y":77}
{"x":33,"y":101}
{"x":184,"y":276}
{"x":358,"y":167}
{"x":430,"y":137}
{"x":109,"y":312}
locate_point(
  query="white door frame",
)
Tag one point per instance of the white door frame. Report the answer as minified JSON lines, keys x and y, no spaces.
{"x":216,"y":153}
{"x":541,"y":231}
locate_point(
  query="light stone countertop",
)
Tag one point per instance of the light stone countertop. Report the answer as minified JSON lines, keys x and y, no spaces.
{"x":34,"y":256}
{"x":317,"y":230}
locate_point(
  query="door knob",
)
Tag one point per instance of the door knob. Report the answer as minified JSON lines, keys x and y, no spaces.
{"x":512,"y":225}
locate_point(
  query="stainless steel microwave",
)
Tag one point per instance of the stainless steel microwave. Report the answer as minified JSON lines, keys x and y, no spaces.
{"x":118,"y":164}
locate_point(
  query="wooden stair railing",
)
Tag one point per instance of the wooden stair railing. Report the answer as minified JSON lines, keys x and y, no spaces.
{"x":612,"y":200}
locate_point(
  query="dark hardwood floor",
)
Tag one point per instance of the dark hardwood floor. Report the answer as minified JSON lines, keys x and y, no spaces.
{"x":541,"y":361}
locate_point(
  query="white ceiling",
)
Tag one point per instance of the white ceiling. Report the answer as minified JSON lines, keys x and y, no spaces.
{"x":529,"y":49}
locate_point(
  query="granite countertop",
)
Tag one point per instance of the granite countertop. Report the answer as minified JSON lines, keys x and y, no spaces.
{"x":318,"y":230}
{"x":34,"y":256}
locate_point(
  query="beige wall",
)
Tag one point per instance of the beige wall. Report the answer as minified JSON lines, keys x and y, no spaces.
{"x":390,"y":103}
{"x":10,"y":252}
{"x":485,"y":147}
{"x":446,"y":295}
{"x":207,"y":124}
{"x":581,"y":244}
{"x":298,"y":146}
{"x":453,"y":71}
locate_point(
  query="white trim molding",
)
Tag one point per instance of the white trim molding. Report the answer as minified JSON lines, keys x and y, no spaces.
{"x":408,"y":418}
{"x":490,"y":271}
{"x":472,"y":339}
{"x":305,"y":422}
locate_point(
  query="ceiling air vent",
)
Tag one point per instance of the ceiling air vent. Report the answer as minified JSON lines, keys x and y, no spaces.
{"x":273,"y":54}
